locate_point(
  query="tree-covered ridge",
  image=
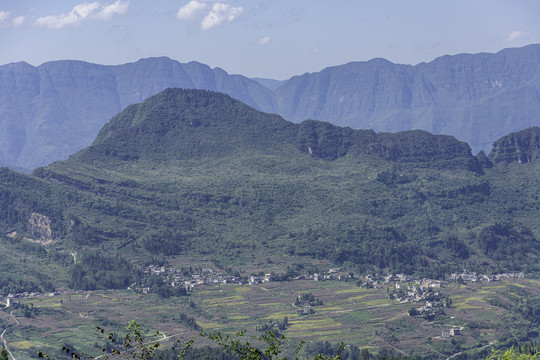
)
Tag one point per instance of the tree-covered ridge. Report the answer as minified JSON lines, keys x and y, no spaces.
{"x":522,"y":147}
{"x":197,"y":173}
{"x":185,"y":124}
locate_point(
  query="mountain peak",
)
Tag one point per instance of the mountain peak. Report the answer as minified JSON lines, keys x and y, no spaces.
{"x":182,"y":124}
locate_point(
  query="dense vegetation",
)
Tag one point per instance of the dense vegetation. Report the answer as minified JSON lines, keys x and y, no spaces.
{"x":197,"y":173}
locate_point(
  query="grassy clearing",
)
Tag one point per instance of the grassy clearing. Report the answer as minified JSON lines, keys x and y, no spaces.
{"x":24,"y":345}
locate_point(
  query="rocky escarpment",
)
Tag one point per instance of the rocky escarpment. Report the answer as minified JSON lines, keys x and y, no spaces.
{"x":40,"y":227}
{"x":330,"y":142}
{"x":521,"y":147}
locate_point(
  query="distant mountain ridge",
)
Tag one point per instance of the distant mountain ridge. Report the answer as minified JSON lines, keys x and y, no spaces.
{"x":53,"y":110}
{"x":476,"y":98}
{"x":49,"y":112}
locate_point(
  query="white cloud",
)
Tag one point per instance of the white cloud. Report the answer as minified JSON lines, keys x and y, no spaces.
{"x":516,"y":35}
{"x":108,"y":11}
{"x":83,"y":12}
{"x":190,"y":10}
{"x":265,"y":40}
{"x":4,"y":19}
{"x":4,"y":15}
{"x":219,"y":14}
{"x":18,"y":21}
{"x":6,"y":22}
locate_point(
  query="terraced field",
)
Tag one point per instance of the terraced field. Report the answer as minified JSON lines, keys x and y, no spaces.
{"x":354,"y":315}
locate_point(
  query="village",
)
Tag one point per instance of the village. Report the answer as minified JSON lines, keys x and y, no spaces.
{"x":179,"y":278}
{"x":407,"y":288}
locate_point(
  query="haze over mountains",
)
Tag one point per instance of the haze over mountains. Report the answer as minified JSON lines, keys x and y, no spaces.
{"x":51,"y":111}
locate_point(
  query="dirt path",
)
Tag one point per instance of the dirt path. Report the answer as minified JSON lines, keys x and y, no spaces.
{"x":165,"y":337}
{"x":483,"y":347}
{"x":4,"y":340}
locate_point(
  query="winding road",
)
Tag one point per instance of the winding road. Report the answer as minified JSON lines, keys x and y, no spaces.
{"x":4,"y":340}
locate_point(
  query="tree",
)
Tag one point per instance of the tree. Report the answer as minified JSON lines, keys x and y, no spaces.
{"x":4,"y":355}
{"x":413,"y":312}
{"x":247,"y":351}
{"x":133,"y":346}
{"x":512,"y":354}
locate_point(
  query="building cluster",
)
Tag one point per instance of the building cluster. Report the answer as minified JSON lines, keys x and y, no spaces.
{"x":331,"y":274}
{"x":415,"y":293}
{"x":253,"y":280}
{"x":176,"y":278}
{"x":14,"y":299}
{"x":474,"y":277}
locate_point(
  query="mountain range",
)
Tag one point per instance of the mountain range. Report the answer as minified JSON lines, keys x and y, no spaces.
{"x":51,"y":111}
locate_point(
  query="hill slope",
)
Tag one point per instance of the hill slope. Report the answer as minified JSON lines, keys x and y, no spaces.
{"x":192,"y":173}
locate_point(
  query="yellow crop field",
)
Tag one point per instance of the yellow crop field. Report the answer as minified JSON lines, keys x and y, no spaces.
{"x":211,"y":325}
{"x":223,"y":300}
{"x":352,"y":290}
{"x":354,"y":298}
{"x":230,"y":303}
{"x":238,"y":317}
{"x":242,"y":289}
{"x":330,"y":308}
{"x":307,"y":324}
{"x":324,"y":333}
{"x":23,"y":344}
{"x":281,"y":315}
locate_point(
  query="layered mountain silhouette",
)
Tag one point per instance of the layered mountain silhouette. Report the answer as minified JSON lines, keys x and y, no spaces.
{"x":51,"y":111}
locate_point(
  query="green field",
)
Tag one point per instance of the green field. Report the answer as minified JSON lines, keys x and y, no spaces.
{"x":357,"y":316}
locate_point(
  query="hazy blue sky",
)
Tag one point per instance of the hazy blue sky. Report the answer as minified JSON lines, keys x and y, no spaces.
{"x":275,"y":39}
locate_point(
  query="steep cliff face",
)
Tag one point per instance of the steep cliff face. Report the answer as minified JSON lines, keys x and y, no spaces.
{"x":521,"y":147}
{"x":19,"y":87}
{"x":330,"y":142}
{"x":476,"y":98}
{"x":51,"y":111}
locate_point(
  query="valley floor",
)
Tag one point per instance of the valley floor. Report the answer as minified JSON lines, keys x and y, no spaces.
{"x":478,"y":315}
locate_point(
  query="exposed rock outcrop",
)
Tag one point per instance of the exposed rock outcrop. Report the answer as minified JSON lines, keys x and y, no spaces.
{"x":40,"y":227}
{"x":522,"y":147}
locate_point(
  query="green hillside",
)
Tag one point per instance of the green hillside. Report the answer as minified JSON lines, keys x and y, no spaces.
{"x":193,"y":174}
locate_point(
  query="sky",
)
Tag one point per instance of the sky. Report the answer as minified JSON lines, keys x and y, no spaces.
{"x":269,"y":39}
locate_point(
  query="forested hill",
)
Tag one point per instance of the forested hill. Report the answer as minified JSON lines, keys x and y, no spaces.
{"x":178,"y":124}
{"x":194,"y":173}
{"x":53,"y":110}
